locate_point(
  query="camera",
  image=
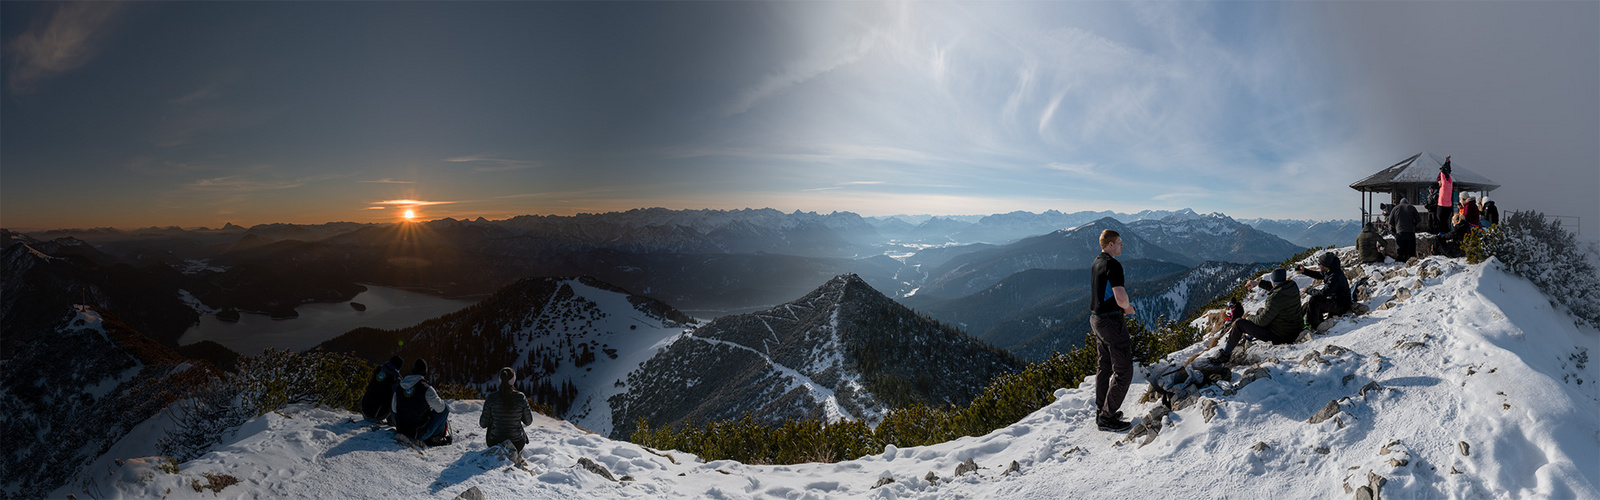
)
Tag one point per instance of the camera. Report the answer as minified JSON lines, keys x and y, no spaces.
{"x":1385,"y":207}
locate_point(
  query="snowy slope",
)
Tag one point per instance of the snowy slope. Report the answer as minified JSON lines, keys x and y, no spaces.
{"x":1473,"y":355}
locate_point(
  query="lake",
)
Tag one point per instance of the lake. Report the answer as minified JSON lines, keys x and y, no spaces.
{"x":387,"y":308}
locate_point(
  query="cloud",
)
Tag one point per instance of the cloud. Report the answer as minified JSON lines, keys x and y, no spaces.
{"x":388,"y":181}
{"x":488,"y":164}
{"x":236,"y":183}
{"x":1072,"y":168}
{"x":66,"y":41}
{"x":377,"y":208}
{"x":801,"y":70}
{"x":412,"y":203}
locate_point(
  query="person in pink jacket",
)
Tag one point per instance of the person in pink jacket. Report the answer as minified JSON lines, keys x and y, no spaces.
{"x":1446,"y":197}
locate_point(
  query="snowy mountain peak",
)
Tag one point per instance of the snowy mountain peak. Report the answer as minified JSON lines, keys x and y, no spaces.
{"x":829,"y":354}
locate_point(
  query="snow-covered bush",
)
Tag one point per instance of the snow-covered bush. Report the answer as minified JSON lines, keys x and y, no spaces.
{"x":277,"y":378}
{"x":1547,"y":254}
{"x":201,"y":420}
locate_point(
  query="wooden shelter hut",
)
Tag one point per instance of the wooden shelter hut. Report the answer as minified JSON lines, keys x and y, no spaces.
{"x":1410,"y":179}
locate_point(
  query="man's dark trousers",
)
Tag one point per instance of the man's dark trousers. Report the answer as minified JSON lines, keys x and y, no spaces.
{"x":1115,"y":354}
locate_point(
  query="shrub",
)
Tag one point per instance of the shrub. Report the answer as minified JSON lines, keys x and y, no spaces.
{"x":1533,"y":247}
{"x":1007,"y":399}
{"x":277,"y":378}
{"x":201,"y":419}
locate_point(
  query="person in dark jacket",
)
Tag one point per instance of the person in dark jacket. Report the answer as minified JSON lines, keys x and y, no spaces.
{"x":380,"y":391}
{"x":1491,"y":214}
{"x":1279,"y":322}
{"x":1334,"y":299}
{"x":419,"y":414}
{"x":1403,"y":218}
{"x":506,"y":413}
{"x":1370,"y":244}
{"x":1458,"y":235}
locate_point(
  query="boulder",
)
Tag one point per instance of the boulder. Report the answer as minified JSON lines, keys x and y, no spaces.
{"x":472,"y":493}
{"x":1014,"y":467}
{"x":1327,"y":412}
{"x":883,"y":481}
{"x":597,"y":469}
{"x":1208,"y":409}
{"x":965,"y":467}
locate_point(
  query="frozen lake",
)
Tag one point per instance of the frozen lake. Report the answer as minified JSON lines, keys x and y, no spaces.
{"x":387,"y":308}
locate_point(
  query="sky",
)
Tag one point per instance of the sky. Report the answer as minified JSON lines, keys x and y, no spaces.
{"x":202,"y":113}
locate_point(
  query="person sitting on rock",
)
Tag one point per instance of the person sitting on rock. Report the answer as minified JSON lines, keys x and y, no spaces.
{"x":1456,"y":238}
{"x":1279,"y":322}
{"x":419,"y":414}
{"x":1334,"y":298}
{"x":506,"y":413}
{"x":1370,"y":244}
{"x":379,"y":395}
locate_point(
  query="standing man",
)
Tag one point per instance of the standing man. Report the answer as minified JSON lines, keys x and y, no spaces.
{"x":1403,"y":218}
{"x":1108,"y":303}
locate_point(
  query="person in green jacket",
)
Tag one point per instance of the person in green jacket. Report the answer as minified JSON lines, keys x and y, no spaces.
{"x":1279,"y":323}
{"x":1370,"y":244}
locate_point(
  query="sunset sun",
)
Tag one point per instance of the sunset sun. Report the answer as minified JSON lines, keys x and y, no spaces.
{"x":410,"y":214}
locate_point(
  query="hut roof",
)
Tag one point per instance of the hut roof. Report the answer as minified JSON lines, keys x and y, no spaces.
{"x":1421,"y":170}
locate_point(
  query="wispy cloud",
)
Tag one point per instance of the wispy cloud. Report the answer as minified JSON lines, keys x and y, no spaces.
{"x":490,"y":164}
{"x":237,"y":183}
{"x":1072,"y":168}
{"x":388,"y":181}
{"x":68,"y":39}
{"x":377,"y":208}
{"x":801,"y":70}
{"x":412,"y":203}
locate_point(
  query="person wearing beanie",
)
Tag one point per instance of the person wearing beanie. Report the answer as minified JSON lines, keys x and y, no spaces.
{"x":380,"y":392}
{"x":419,"y":414}
{"x":1334,"y":298}
{"x":505,"y":413}
{"x":1370,"y":244}
{"x":1279,"y":322}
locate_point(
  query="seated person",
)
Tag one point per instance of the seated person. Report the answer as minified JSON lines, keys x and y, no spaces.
{"x":1370,"y":244}
{"x":506,"y":413}
{"x":419,"y":414}
{"x":1452,"y":243}
{"x":1334,"y":298}
{"x":1279,"y":322}
{"x":380,"y":391}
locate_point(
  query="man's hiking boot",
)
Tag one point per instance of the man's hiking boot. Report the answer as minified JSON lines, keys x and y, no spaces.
{"x":440,"y":440}
{"x":1113,"y":424}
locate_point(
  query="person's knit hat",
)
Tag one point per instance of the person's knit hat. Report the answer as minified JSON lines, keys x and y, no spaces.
{"x":420,"y":368}
{"x":507,"y":374}
{"x":1279,"y":276}
{"x":396,"y":362}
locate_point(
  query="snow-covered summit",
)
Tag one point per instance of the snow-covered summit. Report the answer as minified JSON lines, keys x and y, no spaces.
{"x":1463,"y":382}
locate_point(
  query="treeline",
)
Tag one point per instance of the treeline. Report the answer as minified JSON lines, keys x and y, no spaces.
{"x":1007,"y":399}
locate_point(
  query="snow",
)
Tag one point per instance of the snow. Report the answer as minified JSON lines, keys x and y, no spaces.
{"x":1475,"y":355}
{"x":194,"y":303}
{"x":634,"y":346}
{"x":818,"y":392}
